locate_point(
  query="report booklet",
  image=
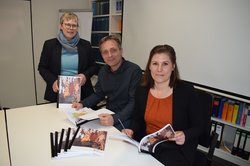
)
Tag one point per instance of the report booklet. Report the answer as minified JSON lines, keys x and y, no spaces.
{"x":149,"y":142}
{"x":79,"y":141}
{"x":69,"y":91}
{"x":81,"y":116}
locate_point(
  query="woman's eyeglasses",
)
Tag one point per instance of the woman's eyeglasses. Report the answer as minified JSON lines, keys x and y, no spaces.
{"x":73,"y":26}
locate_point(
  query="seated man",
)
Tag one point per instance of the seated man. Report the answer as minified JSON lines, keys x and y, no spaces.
{"x":117,"y":81}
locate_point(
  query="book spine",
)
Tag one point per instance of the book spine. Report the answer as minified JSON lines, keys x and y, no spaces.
{"x":243,"y":117}
{"x":60,"y":141}
{"x":235,"y":148}
{"x":219,"y":130}
{"x":241,"y":105}
{"x":215,"y":108}
{"x":67,"y":140}
{"x":235,"y":113}
{"x":52,"y":145}
{"x":73,"y":139}
{"x":221,"y":108}
{"x":230,"y":111}
{"x":224,"y":111}
{"x":56,"y":142}
{"x":242,"y":143}
{"x":246,"y":154}
{"x":247,"y":124}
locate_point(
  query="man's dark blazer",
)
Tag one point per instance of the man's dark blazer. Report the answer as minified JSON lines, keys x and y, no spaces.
{"x":50,"y":66}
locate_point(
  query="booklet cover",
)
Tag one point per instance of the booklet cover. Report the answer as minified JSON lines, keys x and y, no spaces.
{"x":149,"y":142}
{"x":77,"y":142}
{"x":69,"y":91}
{"x":81,"y":116}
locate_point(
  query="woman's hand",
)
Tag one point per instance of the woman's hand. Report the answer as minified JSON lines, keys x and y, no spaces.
{"x":82,"y":79}
{"x":55,"y":86}
{"x":76,"y":105}
{"x":128,"y":132}
{"x":179,"y":138}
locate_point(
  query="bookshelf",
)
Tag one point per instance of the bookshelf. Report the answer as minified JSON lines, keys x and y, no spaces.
{"x":107,"y":20}
{"x":234,"y":140}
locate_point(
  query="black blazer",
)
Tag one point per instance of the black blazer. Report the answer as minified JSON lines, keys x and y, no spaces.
{"x":186,"y":116}
{"x":50,"y":66}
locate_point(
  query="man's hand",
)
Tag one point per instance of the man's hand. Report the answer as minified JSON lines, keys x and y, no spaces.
{"x":77,"y":106}
{"x":106,"y":119}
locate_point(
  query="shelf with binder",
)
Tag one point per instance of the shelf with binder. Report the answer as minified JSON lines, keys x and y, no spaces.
{"x":232,"y":158}
{"x":100,"y":23}
{"x":107,"y":20}
{"x":99,"y":59}
{"x":230,"y":124}
{"x":234,"y":140}
{"x":96,"y":37}
{"x":116,"y":6}
{"x":232,"y":146}
{"x":232,"y":112}
{"x":116,"y":27}
{"x":224,"y":155}
{"x":100,"y":7}
{"x":231,"y":120}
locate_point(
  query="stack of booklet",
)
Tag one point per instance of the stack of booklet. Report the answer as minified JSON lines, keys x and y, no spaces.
{"x":77,"y":142}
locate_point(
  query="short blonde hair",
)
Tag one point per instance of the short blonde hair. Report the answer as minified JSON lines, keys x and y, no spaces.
{"x":69,"y":16}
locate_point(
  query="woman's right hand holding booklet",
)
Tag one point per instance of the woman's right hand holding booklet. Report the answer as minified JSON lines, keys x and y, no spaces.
{"x":179,"y":138}
{"x":128,"y":132}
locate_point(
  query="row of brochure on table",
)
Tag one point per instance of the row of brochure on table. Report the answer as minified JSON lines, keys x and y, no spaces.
{"x":80,"y":141}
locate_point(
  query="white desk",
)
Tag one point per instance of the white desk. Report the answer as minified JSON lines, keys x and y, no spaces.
{"x":29,"y":129}
{"x":4,"y":153}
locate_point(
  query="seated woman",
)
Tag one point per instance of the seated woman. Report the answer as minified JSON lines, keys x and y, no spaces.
{"x":163,"y":98}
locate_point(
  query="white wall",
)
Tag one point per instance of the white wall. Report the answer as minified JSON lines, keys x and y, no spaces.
{"x":16,"y":65}
{"x":211,"y":38}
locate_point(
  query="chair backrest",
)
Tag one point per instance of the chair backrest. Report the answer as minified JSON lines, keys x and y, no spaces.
{"x":207,"y":139}
{"x":206,"y":100}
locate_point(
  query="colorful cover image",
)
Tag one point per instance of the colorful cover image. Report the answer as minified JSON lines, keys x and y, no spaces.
{"x":149,"y":142}
{"x":69,"y":91}
{"x":74,"y":142}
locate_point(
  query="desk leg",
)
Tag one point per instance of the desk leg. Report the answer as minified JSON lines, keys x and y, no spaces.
{"x":7,"y":134}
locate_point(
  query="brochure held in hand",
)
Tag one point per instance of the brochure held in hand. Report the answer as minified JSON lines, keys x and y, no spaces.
{"x":69,"y":91}
{"x":149,"y":142}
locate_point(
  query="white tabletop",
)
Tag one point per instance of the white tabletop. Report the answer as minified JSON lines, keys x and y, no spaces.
{"x":29,"y":129}
{"x":4,"y":153}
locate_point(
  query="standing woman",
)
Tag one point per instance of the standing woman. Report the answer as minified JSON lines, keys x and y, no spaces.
{"x":69,"y":55}
{"x":162,"y":98}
